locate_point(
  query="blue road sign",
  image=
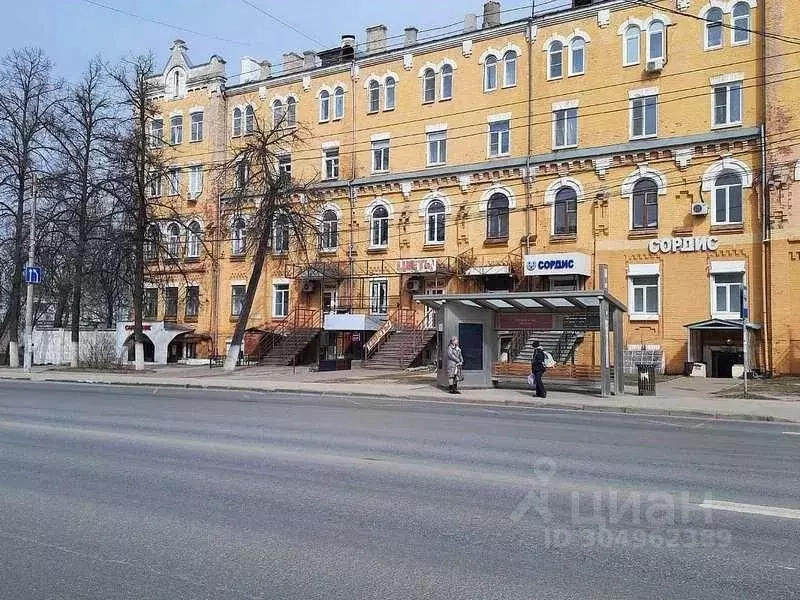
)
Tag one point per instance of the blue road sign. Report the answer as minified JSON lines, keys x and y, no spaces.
{"x":34,"y":275}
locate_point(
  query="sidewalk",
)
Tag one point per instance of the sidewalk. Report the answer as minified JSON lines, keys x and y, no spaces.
{"x":679,"y":396}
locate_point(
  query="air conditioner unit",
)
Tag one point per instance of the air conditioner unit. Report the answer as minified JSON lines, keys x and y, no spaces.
{"x":699,"y":208}
{"x":414,"y":285}
{"x":308,"y":287}
{"x":655,"y":65}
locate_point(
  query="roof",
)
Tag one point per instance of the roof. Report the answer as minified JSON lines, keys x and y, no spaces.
{"x":717,"y":324}
{"x":320,"y":271}
{"x":541,"y":302}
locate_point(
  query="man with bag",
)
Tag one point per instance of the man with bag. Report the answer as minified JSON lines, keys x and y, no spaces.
{"x":539,"y":363}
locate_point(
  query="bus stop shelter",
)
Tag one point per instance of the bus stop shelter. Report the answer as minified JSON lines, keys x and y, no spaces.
{"x":476,"y":319}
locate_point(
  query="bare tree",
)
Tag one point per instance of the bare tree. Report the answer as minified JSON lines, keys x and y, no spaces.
{"x":27,"y":101}
{"x":279,"y":210}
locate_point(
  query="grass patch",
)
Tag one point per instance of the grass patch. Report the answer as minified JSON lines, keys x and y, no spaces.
{"x":779,"y":388}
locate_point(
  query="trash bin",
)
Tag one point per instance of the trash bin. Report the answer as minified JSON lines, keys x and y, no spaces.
{"x":647,"y":379}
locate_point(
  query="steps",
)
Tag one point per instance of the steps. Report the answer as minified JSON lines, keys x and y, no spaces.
{"x":549,"y":341}
{"x":401,"y":349}
{"x":290,"y":347}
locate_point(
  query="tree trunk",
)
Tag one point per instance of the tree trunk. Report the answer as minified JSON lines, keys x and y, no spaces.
{"x":15,"y":297}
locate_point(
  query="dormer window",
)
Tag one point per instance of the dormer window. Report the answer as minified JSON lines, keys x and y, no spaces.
{"x":176,"y":84}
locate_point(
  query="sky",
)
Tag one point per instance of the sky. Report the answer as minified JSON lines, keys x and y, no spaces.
{"x":73,"y":31}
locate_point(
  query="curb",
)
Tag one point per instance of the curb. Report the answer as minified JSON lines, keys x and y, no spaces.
{"x":614,"y":409}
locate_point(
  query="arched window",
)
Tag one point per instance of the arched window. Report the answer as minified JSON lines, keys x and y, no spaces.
{"x":178,"y":83}
{"x":656,"y":44}
{"x":329,"y":237}
{"x":374,"y":96}
{"x":714,"y":28}
{"x":741,"y":23}
{"x":565,"y":212}
{"x":278,"y":113}
{"x":174,"y":240}
{"x":728,"y":199}
{"x":447,"y":83}
{"x":249,"y":119}
{"x":490,"y":73}
{"x":435,"y":222}
{"x":510,"y":68}
{"x":645,"y":204}
{"x":151,"y":243}
{"x":280,"y":234}
{"x":379,"y":227}
{"x":193,"y":233}
{"x":237,"y":121}
{"x":324,"y":105}
{"x":555,"y":60}
{"x":428,"y":85}
{"x":238,"y":237}
{"x":390,"y":91}
{"x":577,"y":56}
{"x":291,"y":112}
{"x":632,"y":45}
{"x":497,"y":216}
{"x":241,"y":174}
{"x":338,"y":103}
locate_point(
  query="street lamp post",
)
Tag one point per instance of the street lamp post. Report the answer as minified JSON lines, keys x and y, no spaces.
{"x":28,"y":361}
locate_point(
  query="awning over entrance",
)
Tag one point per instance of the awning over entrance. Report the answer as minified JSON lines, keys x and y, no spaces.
{"x":720,"y":324}
{"x":322,"y":271}
{"x":543,"y":302}
{"x":487,"y":270}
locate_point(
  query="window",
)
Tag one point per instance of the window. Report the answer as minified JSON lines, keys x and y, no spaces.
{"x":379,"y":297}
{"x":280,"y":234}
{"x":577,"y":56}
{"x":291,"y":112}
{"x":379,"y":227}
{"x":237,"y":121}
{"x":238,"y":237}
{"x":713,"y":29}
{"x":644,"y":116}
{"x":565,"y":212}
{"x":192,"y":301}
{"x":632,"y":44}
{"x":446,"y":93}
{"x":242,"y":174}
{"x":726,"y":300}
{"x":249,"y":119}
{"x":338,"y":103}
{"x":237,"y":299}
{"x":510,"y":69}
{"x":497,"y":217}
{"x":157,"y":133}
{"x":170,"y":302}
{"x":728,"y":104}
{"x":374,"y":96}
{"x":499,"y":138}
{"x":645,"y":204}
{"x":741,"y":23}
{"x":278,"y":113}
{"x":644,"y":295}
{"x":150,"y":303}
{"x":285,"y":166}
{"x":555,"y":60}
{"x":565,"y":126}
{"x":193,"y":240}
{"x":176,"y":129}
{"x":391,"y":88}
{"x":428,"y":85}
{"x":655,"y":41}
{"x":154,"y":185}
{"x":174,"y":240}
{"x":329,"y":237}
{"x":280,"y":300}
{"x":195,"y":181}
{"x":728,"y":199}
{"x":437,"y":148}
{"x":178,"y":80}
{"x":151,"y":242}
{"x":490,"y":74}
{"x":197,"y":127}
{"x":324,"y":106}
{"x":174,"y":180}
{"x":435,"y":223}
{"x":380,"y":156}
{"x":331,"y":163}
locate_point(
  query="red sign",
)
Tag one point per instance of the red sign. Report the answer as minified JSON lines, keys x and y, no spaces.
{"x":416,"y":265}
{"x":132,"y":327}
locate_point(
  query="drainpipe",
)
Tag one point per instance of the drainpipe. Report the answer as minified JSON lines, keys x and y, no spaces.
{"x":351,"y":192}
{"x":766,"y":249}
{"x":528,"y":162}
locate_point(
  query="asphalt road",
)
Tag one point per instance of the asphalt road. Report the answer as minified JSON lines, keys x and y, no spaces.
{"x":113,"y":492}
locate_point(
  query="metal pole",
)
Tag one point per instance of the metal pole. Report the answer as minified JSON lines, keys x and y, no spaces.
{"x":744,"y":307}
{"x":28,"y":361}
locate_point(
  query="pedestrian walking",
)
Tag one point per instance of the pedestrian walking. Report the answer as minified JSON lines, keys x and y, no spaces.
{"x":538,"y":368}
{"x":455,"y":362}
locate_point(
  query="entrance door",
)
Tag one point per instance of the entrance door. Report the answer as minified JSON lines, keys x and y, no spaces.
{"x":722,"y":363}
{"x":430,"y":313}
{"x":329,"y":300}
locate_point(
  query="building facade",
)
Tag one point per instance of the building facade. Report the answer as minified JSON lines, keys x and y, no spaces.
{"x":654,"y":138}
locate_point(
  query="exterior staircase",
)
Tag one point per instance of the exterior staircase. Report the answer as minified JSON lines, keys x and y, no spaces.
{"x":290,"y":347}
{"x":561,"y":344}
{"x":401,"y":349}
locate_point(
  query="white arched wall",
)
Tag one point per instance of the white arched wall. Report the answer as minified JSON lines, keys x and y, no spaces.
{"x":497,"y":189}
{"x":727,"y":165}
{"x":379,"y":201}
{"x":562,"y":182}
{"x":644,"y":172}
{"x":423,"y":205}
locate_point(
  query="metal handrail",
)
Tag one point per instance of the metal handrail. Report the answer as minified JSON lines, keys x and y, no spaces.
{"x":377,"y":338}
{"x":300,"y":317}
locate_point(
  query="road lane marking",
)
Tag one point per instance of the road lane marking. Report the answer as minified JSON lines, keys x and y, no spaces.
{"x":791,"y":433}
{"x":753,"y":509}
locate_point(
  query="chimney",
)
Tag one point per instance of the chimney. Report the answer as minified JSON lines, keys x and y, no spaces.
{"x":292,"y":62}
{"x":491,"y":13}
{"x":376,"y":38}
{"x":266,"y":69}
{"x":348,"y":41}
{"x":178,"y":48}
{"x":309,"y":59}
{"x":411,"y":36}
{"x":252,"y":70}
{"x":470,"y":22}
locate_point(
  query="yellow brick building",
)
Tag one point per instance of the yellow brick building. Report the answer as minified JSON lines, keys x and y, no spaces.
{"x":510,"y":156}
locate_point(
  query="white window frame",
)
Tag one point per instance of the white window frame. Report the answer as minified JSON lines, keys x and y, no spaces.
{"x":734,"y":31}
{"x":565,"y":108}
{"x":725,"y":268}
{"x":506,"y":60}
{"x":249,"y":119}
{"x":280,"y":290}
{"x":173,"y":128}
{"x":550,"y":54}
{"x":331,"y":163}
{"x":554,"y":207}
{"x":154,"y":186}
{"x":727,"y":189}
{"x":642,"y":97}
{"x":338,"y":103}
{"x":439,"y":138}
{"x":238,"y":237}
{"x":193,"y":240}
{"x":291,"y":111}
{"x":638,"y":271}
{"x":285,"y":164}
{"x":572,"y":71}
{"x":324,"y":106}
{"x":195,"y":181}
{"x":324,"y":236}
{"x":243,"y":285}
{"x":380,"y":156}
{"x":501,"y":135}
{"x":373,"y":97}
{"x":375,"y":226}
{"x":428,"y":77}
{"x":156,"y":141}
{"x":194,"y":131}
{"x":442,"y":74}
{"x":281,"y":232}
{"x":707,"y":29}
{"x":237,"y":121}
{"x":376,"y":306}
{"x":430,"y":233}
{"x":626,"y":58}
{"x":174,"y":181}
{"x":173,"y":241}
{"x":196,"y":311}
{"x":486,"y":66}
{"x":390,"y":84}
{"x":650,"y":33}
{"x":728,"y":84}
